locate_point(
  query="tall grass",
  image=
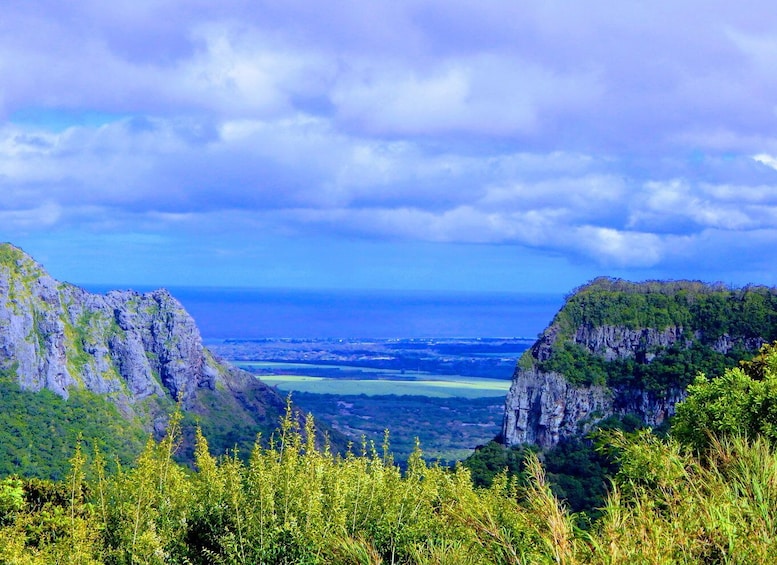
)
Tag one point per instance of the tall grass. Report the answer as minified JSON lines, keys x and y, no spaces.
{"x":669,"y":506}
{"x":296,"y":502}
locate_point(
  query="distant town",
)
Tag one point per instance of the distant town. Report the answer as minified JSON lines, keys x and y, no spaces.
{"x":482,"y":357}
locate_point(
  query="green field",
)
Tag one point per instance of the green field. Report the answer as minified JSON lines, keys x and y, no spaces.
{"x":440,"y":386}
{"x":284,"y":365}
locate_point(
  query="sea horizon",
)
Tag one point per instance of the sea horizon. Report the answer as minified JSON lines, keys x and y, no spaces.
{"x":261,"y":313}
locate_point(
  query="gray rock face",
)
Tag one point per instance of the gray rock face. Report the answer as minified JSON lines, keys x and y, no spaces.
{"x":143,"y":352}
{"x":614,"y":342}
{"x":543,"y":408}
{"x":128,"y":346}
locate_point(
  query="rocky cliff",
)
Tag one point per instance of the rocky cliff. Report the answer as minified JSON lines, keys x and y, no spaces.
{"x":141,"y":351}
{"x":618,"y":348}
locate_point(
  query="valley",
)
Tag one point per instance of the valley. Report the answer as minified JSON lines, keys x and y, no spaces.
{"x":446,"y":392}
{"x":86,"y":377}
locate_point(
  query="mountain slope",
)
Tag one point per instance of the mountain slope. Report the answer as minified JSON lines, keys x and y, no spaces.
{"x":142,"y":352}
{"x":618,"y":348}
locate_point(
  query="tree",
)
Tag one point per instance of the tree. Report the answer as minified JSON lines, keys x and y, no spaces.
{"x":741,"y":402}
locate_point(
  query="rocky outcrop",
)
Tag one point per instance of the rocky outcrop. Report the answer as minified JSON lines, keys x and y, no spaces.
{"x":142,"y":351}
{"x":617,"y":342}
{"x":125,"y":344}
{"x":543,"y":407}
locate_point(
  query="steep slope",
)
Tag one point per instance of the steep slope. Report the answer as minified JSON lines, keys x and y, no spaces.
{"x":143,"y":352}
{"x":619,"y":348}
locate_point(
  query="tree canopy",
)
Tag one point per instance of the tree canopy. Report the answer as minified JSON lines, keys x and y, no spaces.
{"x":740,"y":402}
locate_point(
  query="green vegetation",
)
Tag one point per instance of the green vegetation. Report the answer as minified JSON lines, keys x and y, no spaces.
{"x":578,"y":365}
{"x":703,"y":313}
{"x":23,"y":272}
{"x":742,"y":402}
{"x":39,"y":429}
{"x":225,"y":424}
{"x":17,"y":262}
{"x":9,"y":254}
{"x":77,"y":336}
{"x":672,"y":367}
{"x":714,"y":310}
{"x":706,"y":493}
{"x":359,"y":358}
{"x":448,"y":428}
{"x":293,"y":502}
{"x":492,"y":459}
{"x":578,"y":472}
{"x":441,"y":386}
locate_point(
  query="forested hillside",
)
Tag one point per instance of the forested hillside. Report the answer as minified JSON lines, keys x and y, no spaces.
{"x":714,"y":326}
{"x":703,"y":493}
{"x":619,"y":355}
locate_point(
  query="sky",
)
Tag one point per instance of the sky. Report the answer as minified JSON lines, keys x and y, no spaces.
{"x":390,"y":144}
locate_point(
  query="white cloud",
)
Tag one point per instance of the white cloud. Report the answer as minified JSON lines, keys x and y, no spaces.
{"x":31,"y":219}
{"x":706,"y":206}
{"x":625,"y":136}
{"x":241,"y":72}
{"x":766,"y":159}
{"x":610,"y":246}
{"x":481,"y":95}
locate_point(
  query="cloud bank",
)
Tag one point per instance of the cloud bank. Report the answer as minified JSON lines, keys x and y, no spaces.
{"x":621,"y":135}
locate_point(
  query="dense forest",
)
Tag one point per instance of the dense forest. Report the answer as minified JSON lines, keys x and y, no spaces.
{"x":713,"y":310}
{"x":704,"y":494}
{"x":38,"y":430}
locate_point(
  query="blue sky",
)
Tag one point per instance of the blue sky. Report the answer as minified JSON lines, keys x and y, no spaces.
{"x":502,"y":145}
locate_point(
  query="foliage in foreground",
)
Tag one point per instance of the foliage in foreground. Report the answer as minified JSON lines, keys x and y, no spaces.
{"x":294,"y":503}
{"x":290,"y":503}
{"x":707,"y":494}
{"x":741,"y":402}
{"x":578,"y":472}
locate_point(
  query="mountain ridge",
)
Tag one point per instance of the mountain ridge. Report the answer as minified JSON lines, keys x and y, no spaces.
{"x":141,"y":351}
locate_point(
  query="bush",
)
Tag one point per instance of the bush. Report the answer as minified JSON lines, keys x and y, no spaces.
{"x":740,"y":402}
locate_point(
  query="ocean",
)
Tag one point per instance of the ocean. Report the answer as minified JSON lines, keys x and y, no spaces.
{"x":224,"y":313}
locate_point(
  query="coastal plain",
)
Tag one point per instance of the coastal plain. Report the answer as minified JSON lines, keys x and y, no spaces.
{"x":446,"y":392}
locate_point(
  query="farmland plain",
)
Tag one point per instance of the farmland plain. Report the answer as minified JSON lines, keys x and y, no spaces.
{"x":449,"y":393}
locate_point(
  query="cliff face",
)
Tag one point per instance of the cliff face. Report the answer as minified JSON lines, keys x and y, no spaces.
{"x":544,"y":406}
{"x":142,"y":351}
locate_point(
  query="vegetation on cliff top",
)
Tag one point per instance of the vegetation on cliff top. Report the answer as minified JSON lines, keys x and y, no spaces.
{"x":704,"y":314}
{"x":672,"y":367}
{"x":15,"y":259}
{"x":712,"y":310}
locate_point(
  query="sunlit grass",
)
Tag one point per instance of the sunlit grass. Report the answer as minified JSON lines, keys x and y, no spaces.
{"x":296,"y":502}
{"x":440,"y":387}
